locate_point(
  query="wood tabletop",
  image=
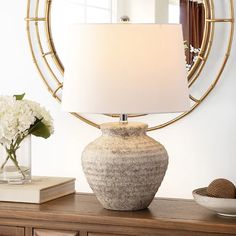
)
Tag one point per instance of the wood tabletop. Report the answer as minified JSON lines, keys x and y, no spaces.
{"x":84,"y":208}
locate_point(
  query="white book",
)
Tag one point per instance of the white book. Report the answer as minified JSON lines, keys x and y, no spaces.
{"x":40,"y":190}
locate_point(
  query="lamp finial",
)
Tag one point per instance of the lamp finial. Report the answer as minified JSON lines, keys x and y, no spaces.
{"x":124,"y":19}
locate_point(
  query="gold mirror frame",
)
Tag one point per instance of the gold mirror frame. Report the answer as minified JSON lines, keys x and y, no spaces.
{"x":38,"y":22}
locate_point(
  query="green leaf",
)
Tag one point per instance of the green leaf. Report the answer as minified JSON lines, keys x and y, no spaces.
{"x":39,"y":129}
{"x":20,"y":96}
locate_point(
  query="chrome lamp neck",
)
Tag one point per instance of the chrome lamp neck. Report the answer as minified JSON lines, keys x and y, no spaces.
{"x":123,"y":118}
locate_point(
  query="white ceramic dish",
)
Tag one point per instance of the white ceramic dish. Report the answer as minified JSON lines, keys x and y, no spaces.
{"x":222,"y":206}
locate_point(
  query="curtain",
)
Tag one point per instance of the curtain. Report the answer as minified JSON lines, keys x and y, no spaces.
{"x":192,"y":18}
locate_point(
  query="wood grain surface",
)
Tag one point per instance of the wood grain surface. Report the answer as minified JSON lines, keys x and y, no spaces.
{"x":83,"y":213}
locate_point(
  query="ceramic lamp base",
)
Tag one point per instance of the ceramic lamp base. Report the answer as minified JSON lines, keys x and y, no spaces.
{"x":124,"y":167}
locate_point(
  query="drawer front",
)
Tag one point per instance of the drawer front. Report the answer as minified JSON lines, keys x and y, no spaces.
{"x":44,"y":232}
{"x":98,"y":234}
{"x":11,"y":231}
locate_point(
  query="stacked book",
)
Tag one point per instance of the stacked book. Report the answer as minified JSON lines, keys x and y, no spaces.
{"x":40,"y":190}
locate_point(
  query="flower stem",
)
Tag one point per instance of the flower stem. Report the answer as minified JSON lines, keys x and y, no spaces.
{"x":14,"y":159}
{"x":4,"y":163}
{"x":11,"y":154}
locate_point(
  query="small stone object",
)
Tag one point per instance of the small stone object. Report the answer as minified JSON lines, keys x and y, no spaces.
{"x":221,"y":188}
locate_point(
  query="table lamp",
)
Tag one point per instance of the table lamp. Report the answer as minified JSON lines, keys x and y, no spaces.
{"x":125,"y":69}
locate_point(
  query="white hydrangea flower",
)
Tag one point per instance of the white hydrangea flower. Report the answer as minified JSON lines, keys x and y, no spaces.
{"x":17,"y":116}
{"x":41,"y":113}
{"x":8,"y":121}
{"x":194,"y":50}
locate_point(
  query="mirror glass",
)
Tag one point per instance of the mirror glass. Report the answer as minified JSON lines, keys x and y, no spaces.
{"x":190,"y":13}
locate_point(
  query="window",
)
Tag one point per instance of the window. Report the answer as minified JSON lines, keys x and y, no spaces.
{"x":89,"y":11}
{"x":174,"y":13}
{"x":67,"y":12}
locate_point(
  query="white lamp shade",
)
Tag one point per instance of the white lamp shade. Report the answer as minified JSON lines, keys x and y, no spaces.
{"x":125,"y":69}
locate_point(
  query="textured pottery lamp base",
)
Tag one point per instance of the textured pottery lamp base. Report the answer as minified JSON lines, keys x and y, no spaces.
{"x":124,"y":167}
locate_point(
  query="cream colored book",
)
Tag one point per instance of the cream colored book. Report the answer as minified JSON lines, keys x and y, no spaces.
{"x":40,"y":190}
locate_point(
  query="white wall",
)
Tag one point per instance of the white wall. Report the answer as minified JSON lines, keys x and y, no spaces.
{"x":201,"y":146}
{"x":162,"y":11}
{"x":139,"y":11}
{"x":143,"y":11}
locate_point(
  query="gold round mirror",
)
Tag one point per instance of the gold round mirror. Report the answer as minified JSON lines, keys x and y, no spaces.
{"x":48,"y":20}
{"x":191,"y":14}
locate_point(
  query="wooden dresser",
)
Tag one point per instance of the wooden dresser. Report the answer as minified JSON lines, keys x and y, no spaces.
{"x":82,"y":215}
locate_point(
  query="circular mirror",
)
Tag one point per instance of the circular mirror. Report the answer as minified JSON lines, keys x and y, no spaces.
{"x":47,"y":22}
{"x":191,"y":14}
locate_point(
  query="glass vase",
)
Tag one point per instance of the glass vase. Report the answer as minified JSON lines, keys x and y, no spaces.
{"x":15,"y":166}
